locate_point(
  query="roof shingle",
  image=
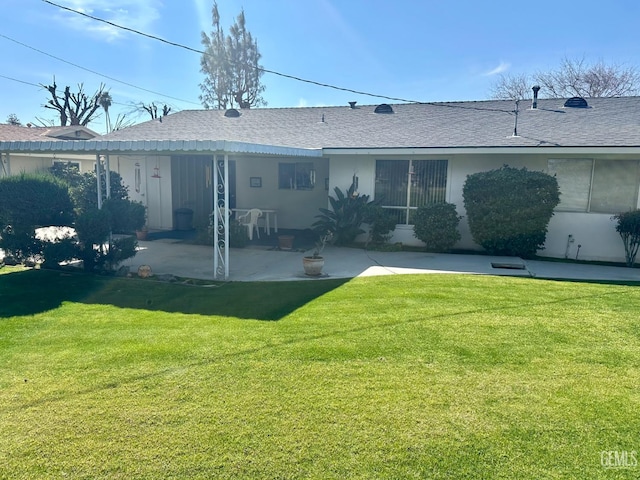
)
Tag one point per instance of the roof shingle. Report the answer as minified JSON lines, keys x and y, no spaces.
{"x":607,"y":122}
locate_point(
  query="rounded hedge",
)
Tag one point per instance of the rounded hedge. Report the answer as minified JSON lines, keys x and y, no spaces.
{"x":437,"y":226}
{"x":509,"y":209}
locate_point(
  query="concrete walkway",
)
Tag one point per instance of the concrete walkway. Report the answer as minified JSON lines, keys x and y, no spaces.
{"x":264,"y":264}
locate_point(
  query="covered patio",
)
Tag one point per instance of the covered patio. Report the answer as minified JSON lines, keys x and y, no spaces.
{"x":203,"y":178}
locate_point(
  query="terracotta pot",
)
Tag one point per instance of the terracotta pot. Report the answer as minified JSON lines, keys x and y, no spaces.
{"x":285,"y":242}
{"x":313,"y":266}
{"x":142,"y":234}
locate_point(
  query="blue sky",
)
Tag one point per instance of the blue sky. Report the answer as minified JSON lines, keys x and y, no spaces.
{"x":422,"y":50}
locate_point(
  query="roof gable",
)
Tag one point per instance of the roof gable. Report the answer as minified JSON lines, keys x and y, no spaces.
{"x":18,"y":133}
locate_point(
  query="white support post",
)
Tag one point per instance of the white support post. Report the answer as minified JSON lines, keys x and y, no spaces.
{"x":221,"y":214}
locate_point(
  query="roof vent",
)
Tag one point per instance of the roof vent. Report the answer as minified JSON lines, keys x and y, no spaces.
{"x":576,"y":102}
{"x":534,"y":104}
{"x":352,"y":104}
{"x":232,"y":113}
{"x":383,"y":108}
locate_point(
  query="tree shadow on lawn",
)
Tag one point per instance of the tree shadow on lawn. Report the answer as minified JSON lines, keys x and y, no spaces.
{"x":31,"y":292}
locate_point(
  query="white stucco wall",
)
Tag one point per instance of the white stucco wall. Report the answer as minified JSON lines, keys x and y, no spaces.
{"x":154,"y":193}
{"x":595,"y":233}
{"x":30,"y":163}
{"x":296,"y":209}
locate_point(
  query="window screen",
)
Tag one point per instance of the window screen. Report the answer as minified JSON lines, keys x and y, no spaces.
{"x":574,"y":180}
{"x":615,"y":186}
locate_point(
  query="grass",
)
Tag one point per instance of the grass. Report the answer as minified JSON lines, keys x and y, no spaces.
{"x":434,"y":376}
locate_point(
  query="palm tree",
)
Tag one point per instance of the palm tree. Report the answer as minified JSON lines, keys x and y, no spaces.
{"x":105,"y":102}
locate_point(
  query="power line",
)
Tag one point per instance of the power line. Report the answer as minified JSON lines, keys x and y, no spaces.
{"x":21,"y":81}
{"x":273,"y":72}
{"x":93,"y":71}
{"x":201,"y":52}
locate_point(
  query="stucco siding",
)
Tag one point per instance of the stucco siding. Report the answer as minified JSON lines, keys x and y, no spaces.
{"x":296,"y":209}
{"x":595,"y":233}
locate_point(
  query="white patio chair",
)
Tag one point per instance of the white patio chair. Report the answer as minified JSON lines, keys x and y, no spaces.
{"x":250,"y":219}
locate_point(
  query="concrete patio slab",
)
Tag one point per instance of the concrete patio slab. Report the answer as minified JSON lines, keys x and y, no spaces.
{"x":267,"y":264}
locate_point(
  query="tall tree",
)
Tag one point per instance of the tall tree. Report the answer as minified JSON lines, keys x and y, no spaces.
{"x":105,"y":102}
{"x":74,"y":108}
{"x":13,"y":119}
{"x":231,"y":66}
{"x":573,"y":78}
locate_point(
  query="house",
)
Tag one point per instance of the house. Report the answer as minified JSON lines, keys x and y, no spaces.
{"x":290,"y":160}
{"x":41,"y":159}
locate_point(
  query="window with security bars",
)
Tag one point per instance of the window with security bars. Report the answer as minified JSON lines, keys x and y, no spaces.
{"x":600,"y":186}
{"x":404,"y":185}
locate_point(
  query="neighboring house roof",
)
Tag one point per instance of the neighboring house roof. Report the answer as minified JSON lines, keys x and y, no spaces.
{"x":18,"y":133}
{"x":607,"y":122}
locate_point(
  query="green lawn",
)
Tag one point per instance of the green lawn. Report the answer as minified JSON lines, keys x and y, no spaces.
{"x":431,"y":376}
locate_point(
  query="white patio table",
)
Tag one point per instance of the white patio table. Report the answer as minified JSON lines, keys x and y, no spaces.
{"x":268,"y":213}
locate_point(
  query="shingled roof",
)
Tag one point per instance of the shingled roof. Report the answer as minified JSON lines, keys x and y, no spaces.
{"x":19,"y":133}
{"x":606,"y":122}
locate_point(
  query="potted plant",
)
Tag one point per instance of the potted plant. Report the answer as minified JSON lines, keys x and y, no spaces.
{"x":142,"y":233}
{"x":313,"y":264}
{"x":138,"y":219}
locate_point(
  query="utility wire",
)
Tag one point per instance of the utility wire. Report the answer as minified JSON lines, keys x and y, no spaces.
{"x":21,"y":81}
{"x":273,"y":72}
{"x":93,"y":71}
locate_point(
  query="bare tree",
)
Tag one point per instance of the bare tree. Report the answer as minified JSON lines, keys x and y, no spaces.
{"x":574,"y":78}
{"x":231,"y":66}
{"x":121,"y":122}
{"x":74,"y":108}
{"x":512,"y":87}
{"x":152,"y":109}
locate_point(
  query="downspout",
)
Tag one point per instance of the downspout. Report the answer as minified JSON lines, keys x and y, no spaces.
{"x":99,"y":183}
{"x":6,"y":164}
{"x":108,"y":176}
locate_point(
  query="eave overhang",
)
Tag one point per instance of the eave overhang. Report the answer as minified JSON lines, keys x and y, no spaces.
{"x":160,"y":147}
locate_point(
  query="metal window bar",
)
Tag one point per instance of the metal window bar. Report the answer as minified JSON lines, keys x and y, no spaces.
{"x":406,"y":185}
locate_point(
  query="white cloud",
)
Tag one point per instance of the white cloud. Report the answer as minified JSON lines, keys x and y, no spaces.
{"x":203,"y":9}
{"x":134,"y":14}
{"x":503,"y":67}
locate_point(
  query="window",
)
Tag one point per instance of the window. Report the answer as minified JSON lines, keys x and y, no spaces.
{"x":405,"y":185}
{"x":574,"y":180}
{"x":296,"y":176}
{"x":602,"y":186}
{"x":66,"y":163}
